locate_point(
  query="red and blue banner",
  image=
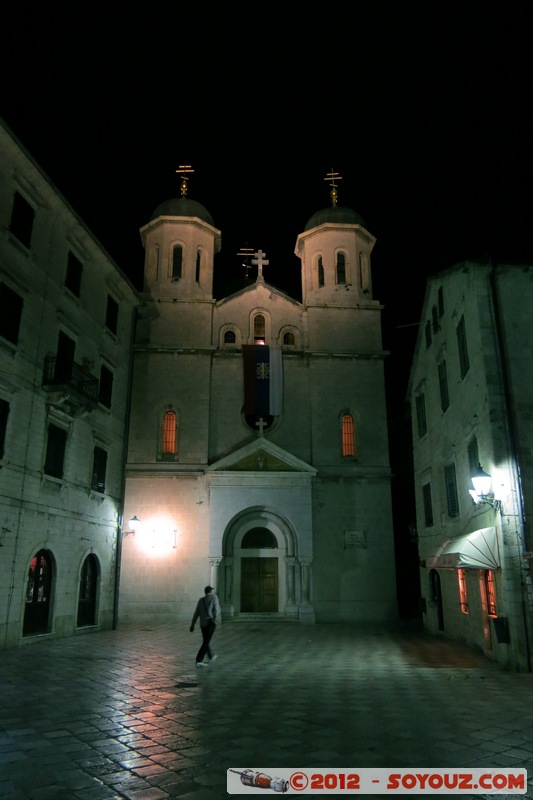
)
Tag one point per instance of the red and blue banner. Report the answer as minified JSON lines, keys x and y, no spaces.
{"x":263,"y":380}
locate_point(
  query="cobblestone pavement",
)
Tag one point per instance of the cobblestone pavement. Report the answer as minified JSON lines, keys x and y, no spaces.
{"x":126,"y":715}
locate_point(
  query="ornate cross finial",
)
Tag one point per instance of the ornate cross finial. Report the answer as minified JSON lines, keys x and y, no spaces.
{"x":260,"y":261}
{"x":246,"y":253}
{"x":183,"y":170}
{"x":333,"y":194}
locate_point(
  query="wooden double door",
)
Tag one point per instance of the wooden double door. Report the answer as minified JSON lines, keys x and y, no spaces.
{"x":259,"y":585}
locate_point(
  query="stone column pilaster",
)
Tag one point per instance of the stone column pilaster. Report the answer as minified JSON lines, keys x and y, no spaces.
{"x":307,"y":612}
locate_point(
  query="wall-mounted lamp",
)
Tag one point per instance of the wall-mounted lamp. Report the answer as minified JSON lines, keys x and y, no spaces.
{"x":134,"y":523}
{"x":481,"y":493}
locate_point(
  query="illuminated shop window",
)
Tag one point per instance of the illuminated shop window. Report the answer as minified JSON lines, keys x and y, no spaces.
{"x":463,"y":594}
{"x":491,"y":593}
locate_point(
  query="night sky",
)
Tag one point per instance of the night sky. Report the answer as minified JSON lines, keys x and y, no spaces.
{"x":424,"y":112}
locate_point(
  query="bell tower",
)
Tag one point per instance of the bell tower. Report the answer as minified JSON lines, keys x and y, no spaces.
{"x":180,"y":243}
{"x":335,"y":250}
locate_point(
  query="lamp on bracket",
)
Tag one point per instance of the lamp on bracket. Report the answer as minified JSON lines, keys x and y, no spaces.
{"x":481,"y":493}
{"x":134,"y":523}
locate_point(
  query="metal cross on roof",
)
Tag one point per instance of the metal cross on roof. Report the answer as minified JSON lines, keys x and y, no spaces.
{"x":246,"y":254}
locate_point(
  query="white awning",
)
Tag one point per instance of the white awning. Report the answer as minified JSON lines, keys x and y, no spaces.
{"x":476,"y":550}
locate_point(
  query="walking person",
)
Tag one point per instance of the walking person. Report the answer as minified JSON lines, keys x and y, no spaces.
{"x":208,"y":612}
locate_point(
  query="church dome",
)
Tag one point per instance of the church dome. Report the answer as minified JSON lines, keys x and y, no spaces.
{"x":183,"y":207}
{"x":336,"y":214}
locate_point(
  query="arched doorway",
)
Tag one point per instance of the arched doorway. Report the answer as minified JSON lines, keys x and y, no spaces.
{"x":38,"y":594}
{"x":88,"y":592}
{"x":259,"y":573}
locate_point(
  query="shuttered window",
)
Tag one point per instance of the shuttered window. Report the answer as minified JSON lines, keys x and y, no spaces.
{"x":464,"y":363}
{"x":451,"y":490}
{"x":443,"y":386}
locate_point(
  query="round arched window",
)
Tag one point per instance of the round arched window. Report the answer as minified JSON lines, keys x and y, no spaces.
{"x":257,"y":538}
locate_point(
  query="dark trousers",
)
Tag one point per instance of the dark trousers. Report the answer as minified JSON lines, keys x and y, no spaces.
{"x":207,"y":635}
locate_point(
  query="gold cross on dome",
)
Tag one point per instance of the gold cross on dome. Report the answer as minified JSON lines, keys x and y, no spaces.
{"x":333,"y":176}
{"x":183,"y":170}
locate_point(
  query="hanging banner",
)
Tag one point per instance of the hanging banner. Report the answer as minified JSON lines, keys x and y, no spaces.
{"x":263,"y":380}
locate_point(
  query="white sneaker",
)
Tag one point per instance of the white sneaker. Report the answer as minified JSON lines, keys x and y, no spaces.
{"x":214,"y":658}
{"x":201,"y":664}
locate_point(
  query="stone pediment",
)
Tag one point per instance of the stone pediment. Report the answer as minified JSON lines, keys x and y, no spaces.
{"x":261,"y":456}
{"x":261,"y":293}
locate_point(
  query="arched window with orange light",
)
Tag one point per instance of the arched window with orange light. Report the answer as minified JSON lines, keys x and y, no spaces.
{"x":169,"y":435}
{"x":348,"y":435}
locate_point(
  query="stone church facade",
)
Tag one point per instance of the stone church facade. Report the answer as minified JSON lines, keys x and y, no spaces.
{"x":258,"y":456}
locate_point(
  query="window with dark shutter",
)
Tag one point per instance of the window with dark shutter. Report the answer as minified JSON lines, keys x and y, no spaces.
{"x":473,"y":455}
{"x":451,"y":490}
{"x":443,"y":386}
{"x":464,"y":363}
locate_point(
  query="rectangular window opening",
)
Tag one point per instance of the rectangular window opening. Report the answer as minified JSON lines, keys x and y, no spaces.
{"x":99,"y":469}
{"x":55,"y":451}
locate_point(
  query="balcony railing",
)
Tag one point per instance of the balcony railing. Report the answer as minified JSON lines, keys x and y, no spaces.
{"x":70,"y":378}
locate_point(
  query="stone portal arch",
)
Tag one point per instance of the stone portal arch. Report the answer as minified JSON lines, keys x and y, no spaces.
{"x":259,"y":573}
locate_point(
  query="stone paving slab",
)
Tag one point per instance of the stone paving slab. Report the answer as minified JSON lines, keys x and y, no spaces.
{"x":126,"y":715}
